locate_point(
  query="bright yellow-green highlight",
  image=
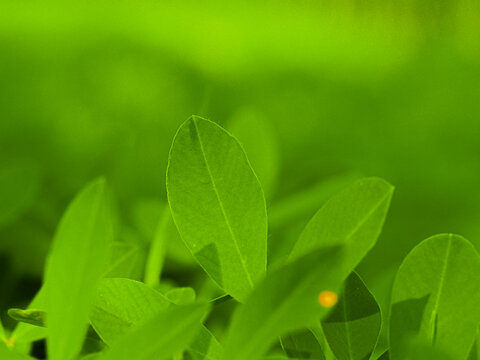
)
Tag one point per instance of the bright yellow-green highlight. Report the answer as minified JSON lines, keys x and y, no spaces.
{"x":9,"y":342}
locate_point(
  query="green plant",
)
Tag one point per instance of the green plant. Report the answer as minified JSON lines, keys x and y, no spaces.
{"x":306,"y":303}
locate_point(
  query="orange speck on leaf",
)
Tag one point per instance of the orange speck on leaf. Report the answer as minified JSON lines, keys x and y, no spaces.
{"x":327,"y":298}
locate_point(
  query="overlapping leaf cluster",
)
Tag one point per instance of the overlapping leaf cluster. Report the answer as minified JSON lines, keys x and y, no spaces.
{"x":90,"y":307}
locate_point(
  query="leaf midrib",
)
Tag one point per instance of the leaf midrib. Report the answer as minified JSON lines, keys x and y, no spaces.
{"x":368,"y":215}
{"x":120,"y":259}
{"x":436,"y":304}
{"x":361,"y":222}
{"x":232,"y":234}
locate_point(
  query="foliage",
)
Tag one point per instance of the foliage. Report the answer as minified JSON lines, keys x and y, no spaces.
{"x":309,"y":304}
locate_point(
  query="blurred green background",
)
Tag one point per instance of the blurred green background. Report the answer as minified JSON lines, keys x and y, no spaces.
{"x":329,"y":91}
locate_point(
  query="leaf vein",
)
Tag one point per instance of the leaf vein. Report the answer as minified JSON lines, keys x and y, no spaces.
{"x":232,"y":234}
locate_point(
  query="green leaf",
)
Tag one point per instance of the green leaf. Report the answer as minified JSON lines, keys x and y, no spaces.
{"x":122,"y":304}
{"x":302,"y":345}
{"x":302,"y":204}
{"x":279,"y":357}
{"x":30,"y":316}
{"x":353,"y":218}
{"x":475,"y":350}
{"x":181,"y":295}
{"x":258,"y":139}
{"x":177,"y":251}
{"x":205,"y":346}
{"x":7,"y":354}
{"x":287,"y":300}
{"x":166,"y":334}
{"x":26,"y":333}
{"x":124,"y":260}
{"x":422,"y":351}
{"x":353,"y":326}
{"x":92,"y":356}
{"x":218,"y":205}
{"x":19,"y":185}
{"x":435,"y":297}
{"x":77,"y":260}
{"x":158,"y":249}
{"x":385,"y":355}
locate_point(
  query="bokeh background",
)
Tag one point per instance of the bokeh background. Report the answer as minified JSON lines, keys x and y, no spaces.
{"x":320,"y":93}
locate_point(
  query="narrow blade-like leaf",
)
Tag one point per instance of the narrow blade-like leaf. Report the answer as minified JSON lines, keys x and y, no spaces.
{"x":158,"y":249}
{"x":218,"y":205}
{"x":436,"y":296}
{"x":352,"y":327}
{"x":286,"y":301}
{"x":77,"y":260}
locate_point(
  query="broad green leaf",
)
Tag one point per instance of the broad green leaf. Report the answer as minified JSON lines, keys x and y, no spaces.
{"x":158,"y":249}
{"x":205,"y":346}
{"x":218,"y":205}
{"x":303,"y":204}
{"x":181,"y":295}
{"x":287,"y":300}
{"x":353,"y":218}
{"x":166,"y":334}
{"x":19,"y":185}
{"x":288,"y":216}
{"x":257,"y":137}
{"x":353,"y":326}
{"x":30,"y":316}
{"x":121,"y":305}
{"x":124,"y":261}
{"x":435,"y":297}
{"x":302,"y":345}
{"x":77,"y":260}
